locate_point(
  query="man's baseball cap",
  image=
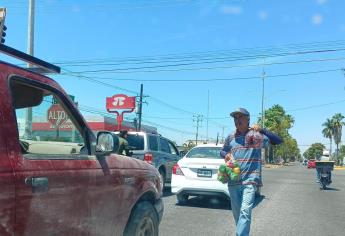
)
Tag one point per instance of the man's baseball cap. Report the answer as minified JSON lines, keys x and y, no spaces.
{"x":240,"y":111}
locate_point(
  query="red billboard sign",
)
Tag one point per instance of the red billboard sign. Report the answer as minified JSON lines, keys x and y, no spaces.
{"x":120,"y":102}
{"x":56,"y":115}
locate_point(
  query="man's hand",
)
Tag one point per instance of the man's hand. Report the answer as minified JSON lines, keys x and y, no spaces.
{"x":228,"y":157}
{"x":256,"y":128}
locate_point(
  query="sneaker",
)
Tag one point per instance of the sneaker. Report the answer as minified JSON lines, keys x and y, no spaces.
{"x":317,"y":181}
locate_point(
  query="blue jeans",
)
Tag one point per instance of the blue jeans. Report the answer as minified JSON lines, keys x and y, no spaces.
{"x":242,"y":201}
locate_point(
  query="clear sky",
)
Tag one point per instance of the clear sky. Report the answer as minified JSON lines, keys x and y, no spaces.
{"x":181,"y":50}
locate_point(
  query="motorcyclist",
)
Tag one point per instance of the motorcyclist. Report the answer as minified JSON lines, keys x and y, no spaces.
{"x":324,"y":157}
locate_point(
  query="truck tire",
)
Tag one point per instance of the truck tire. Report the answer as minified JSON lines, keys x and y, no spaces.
{"x":143,"y":221}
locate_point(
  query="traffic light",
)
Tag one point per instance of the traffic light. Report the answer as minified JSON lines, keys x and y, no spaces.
{"x":3,"y":28}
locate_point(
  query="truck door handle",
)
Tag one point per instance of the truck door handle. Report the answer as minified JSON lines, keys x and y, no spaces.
{"x":38,"y":184}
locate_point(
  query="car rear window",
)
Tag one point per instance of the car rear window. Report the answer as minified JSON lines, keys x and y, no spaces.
{"x":205,"y":152}
{"x":135,"y":141}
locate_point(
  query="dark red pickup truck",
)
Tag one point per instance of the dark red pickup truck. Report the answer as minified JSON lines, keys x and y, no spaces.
{"x":56,"y":177}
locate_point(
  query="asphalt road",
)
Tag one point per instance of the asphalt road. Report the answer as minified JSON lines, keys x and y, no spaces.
{"x":291,"y":204}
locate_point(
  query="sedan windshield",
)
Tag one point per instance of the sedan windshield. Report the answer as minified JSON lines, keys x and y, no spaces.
{"x":205,"y":152}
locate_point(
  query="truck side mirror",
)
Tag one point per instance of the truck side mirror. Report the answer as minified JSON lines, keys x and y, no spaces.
{"x":107,"y":143}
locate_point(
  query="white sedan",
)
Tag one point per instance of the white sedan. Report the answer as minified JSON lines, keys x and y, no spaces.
{"x":196,"y":173}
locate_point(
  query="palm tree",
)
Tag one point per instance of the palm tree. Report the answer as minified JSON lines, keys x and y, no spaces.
{"x":338,"y":123}
{"x":328,"y":132}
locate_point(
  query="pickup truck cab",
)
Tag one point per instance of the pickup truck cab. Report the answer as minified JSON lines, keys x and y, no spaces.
{"x":56,"y":177}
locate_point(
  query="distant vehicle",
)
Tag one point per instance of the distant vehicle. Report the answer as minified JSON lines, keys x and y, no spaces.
{"x":57,"y":178}
{"x":155,"y":150}
{"x":196,"y":174}
{"x":324,"y":169}
{"x":305,"y":162}
{"x":311,"y":163}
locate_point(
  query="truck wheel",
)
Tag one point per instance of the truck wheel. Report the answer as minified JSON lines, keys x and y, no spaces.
{"x":182,"y":199}
{"x":143,"y":221}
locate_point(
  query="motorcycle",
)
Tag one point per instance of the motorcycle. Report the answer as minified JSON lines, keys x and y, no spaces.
{"x":324,"y":170}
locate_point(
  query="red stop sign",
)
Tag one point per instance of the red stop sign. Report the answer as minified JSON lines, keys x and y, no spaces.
{"x":56,"y":115}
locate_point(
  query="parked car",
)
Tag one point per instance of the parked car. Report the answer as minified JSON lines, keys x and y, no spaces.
{"x":57,"y":178}
{"x":196,"y":174}
{"x":155,"y":150}
{"x":311,"y":163}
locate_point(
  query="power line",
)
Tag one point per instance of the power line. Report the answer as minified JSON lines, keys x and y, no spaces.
{"x":169,"y":128}
{"x":130,"y":91}
{"x":292,"y":110}
{"x":208,"y":54}
{"x":223,"y":79}
{"x":192,"y":60}
{"x":217,"y":67}
{"x":106,"y":7}
{"x":316,"y":106}
{"x":145,"y":68}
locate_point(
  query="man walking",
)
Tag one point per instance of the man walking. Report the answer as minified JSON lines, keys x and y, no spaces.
{"x":244,"y":147}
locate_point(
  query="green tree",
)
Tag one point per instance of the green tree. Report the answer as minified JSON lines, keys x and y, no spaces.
{"x":314,"y":151}
{"x":341,"y":154}
{"x":328,"y":132}
{"x":188,"y":146}
{"x":338,"y":123}
{"x":277,"y":121}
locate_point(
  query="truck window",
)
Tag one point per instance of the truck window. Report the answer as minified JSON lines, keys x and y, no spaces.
{"x":135,"y":141}
{"x":47,"y":129}
{"x":173,"y":149}
{"x":165,"y":145}
{"x":153,"y":142}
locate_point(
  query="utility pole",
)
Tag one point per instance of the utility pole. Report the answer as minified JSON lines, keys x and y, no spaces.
{"x":223,"y":129}
{"x":208,"y":113}
{"x":198,"y":119}
{"x":30,"y":50}
{"x":140,"y":105}
{"x":262,"y":100}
